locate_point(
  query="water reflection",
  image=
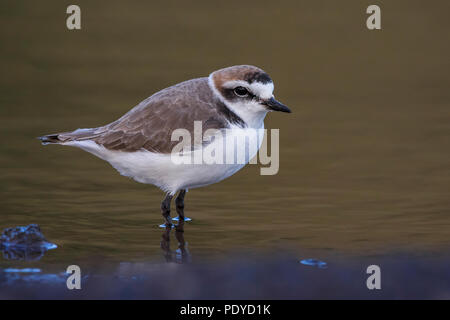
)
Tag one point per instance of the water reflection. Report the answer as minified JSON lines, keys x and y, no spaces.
{"x":181,"y":254}
{"x":23,"y":253}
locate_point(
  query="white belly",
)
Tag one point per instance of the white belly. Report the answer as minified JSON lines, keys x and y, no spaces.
{"x":160,"y":169}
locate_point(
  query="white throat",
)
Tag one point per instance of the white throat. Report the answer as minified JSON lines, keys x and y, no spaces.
{"x":251,"y":112}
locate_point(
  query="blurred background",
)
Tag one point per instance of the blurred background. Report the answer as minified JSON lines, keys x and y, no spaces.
{"x":364,"y":157}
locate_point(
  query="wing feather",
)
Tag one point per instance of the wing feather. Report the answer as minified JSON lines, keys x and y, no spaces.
{"x":150,"y":124}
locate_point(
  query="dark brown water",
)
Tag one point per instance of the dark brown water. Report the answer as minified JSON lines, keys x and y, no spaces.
{"x":364,"y":157}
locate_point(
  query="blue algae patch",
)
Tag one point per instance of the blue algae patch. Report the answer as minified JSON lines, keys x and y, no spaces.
{"x":25,"y":270}
{"x":13,"y":278}
{"x":24,"y":243}
{"x":314,"y":263}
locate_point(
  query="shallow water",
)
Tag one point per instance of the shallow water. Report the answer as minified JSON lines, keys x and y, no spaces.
{"x":364,"y":157}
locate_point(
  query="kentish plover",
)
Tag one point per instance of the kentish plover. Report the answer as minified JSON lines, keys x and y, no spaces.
{"x":139,"y":145}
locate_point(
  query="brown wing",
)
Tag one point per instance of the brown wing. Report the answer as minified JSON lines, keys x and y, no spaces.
{"x":150,"y":124}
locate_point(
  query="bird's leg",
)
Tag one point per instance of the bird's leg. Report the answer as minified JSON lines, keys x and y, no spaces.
{"x":179,"y":202}
{"x":165,"y":209}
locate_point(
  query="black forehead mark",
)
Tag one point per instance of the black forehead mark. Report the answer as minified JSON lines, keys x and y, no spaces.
{"x":257,"y":76}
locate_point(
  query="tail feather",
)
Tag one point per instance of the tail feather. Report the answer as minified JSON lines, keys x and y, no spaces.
{"x":77,"y":135}
{"x":51,"y":138}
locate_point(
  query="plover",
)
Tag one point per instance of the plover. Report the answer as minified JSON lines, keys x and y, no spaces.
{"x":140,"y":144}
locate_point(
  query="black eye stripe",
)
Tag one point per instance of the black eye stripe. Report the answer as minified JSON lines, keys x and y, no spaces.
{"x":230,"y":95}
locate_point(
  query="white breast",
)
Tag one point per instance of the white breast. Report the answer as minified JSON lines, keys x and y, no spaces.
{"x":160,"y":170}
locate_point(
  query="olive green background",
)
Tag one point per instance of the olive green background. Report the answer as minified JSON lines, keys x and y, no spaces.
{"x":364,"y":157}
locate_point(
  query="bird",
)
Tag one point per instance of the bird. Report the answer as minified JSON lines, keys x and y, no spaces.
{"x":231,"y":101}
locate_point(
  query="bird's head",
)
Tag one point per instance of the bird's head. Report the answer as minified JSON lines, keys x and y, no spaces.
{"x":247,"y":91}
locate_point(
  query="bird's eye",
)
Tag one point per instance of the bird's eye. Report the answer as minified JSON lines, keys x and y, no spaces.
{"x":240,"y":91}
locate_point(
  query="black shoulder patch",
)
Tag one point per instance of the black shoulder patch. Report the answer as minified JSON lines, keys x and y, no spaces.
{"x":230,"y":115}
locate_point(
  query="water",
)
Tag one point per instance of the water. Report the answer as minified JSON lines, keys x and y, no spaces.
{"x":364,"y":157}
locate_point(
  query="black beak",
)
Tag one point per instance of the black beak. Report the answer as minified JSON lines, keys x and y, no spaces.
{"x":274,"y":105}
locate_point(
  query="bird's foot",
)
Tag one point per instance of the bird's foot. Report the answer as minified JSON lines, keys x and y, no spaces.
{"x":165,"y":226}
{"x":179,"y":218}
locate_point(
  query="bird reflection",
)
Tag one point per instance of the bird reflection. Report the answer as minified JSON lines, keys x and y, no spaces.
{"x":181,"y":254}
